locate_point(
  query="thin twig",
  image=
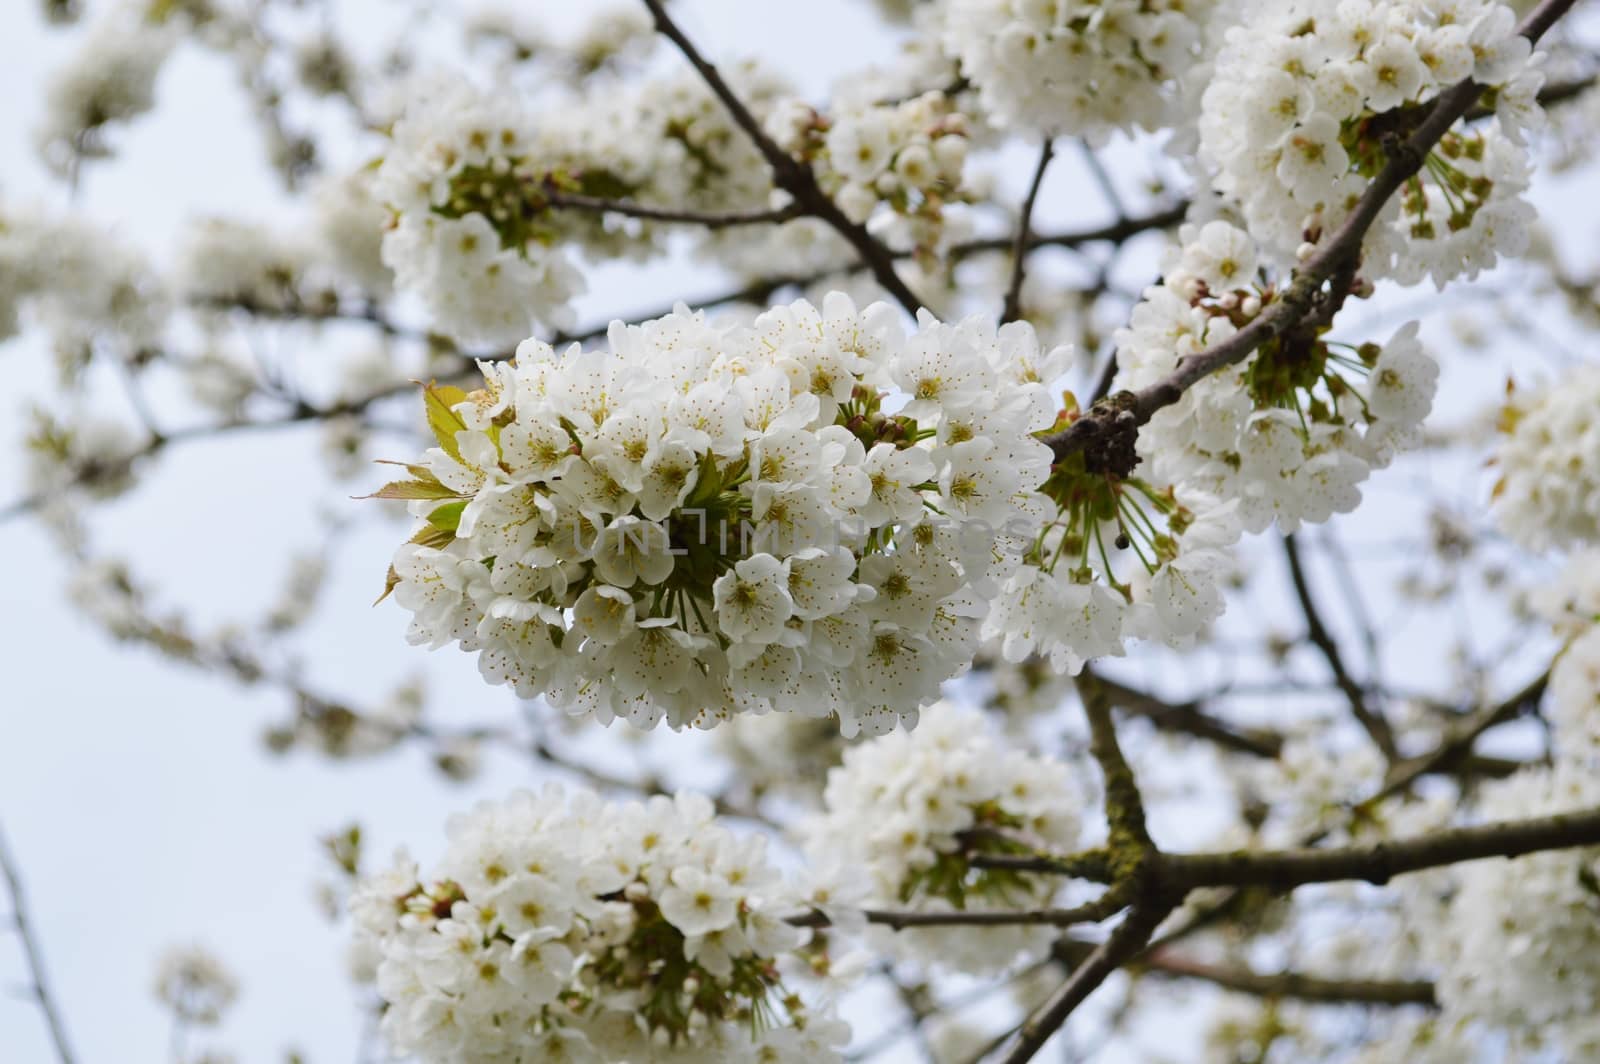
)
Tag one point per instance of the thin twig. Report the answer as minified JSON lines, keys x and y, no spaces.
{"x":1012,"y":308}
{"x":34,"y":956}
{"x":1370,"y":718}
{"x":1127,"y":939}
{"x":1103,"y":907}
{"x":1296,"y":985}
{"x":1108,"y":187}
{"x":704,"y":219}
{"x":1457,"y":742}
{"x":791,"y":175}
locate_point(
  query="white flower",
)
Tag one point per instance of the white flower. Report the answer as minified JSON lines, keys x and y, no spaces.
{"x":1069,"y":69}
{"x":896,"y":474}
{"x":702,"y":521}
{"x":1524,"y":933}
{"x":895,"y":811}
{"x":1222,"y":256}
{"x":195,"y":985}
{"x":1548,"y":491}
{"x":752,"y":601}
{"x":697,"y":903}
{"x":1286,"y":129}
{"x":111,"y":79}
{"x":557,"y":923}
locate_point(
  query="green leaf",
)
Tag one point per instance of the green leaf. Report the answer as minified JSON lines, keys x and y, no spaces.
{"x":437,"y":538}
{"x":439,"y":400}
{"x":413,"y":489}
{"x":390,"y":582}
{"x":448,"y":517}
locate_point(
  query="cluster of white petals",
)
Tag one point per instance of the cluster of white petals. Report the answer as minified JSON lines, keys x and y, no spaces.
{"x":561,"y":927}
{"x":1522,"y":941}
{"x":904,"y":814}
{"x":110,"y":79}
{"x":908,"y":156}
{"x":195,"y":985}
{"x":471,"y":176}
{"x":461,"y":239}
{"x":806,"y":514}
{"x":1306,"y":94}
{"x":1291,"y":432}
{"x":1548,"y":491}
{"x":78,"y":283}
{"x":1076,"y":66}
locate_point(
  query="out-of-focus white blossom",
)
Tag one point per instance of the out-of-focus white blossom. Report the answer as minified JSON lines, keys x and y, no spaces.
{"x":1076,"y":67}
{"x":1548,"y":491}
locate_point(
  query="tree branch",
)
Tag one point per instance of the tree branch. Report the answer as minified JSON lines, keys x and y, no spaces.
{"x":791,"y":175}
{"x":1127,"y":939}
{"x":1101,"y":908}
{"x":34,"y":956}
{"x":1019,"y":248}
{"x":705,"y":219}
{"x":1295,"y":985}
{"x":1190,"y":718}
{"x":1371,"y":719}
{"x":1124,"y":804}
{"x":1379,"y":862}
{"x":1305,"y":295}
{"x":1457,"y":743}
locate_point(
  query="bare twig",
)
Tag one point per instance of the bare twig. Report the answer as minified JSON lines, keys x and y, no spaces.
{"x":1103,"y":907}
{"x":791,"y":175}
{"x":34,"y":955}
{"x":1457,"y":742}
{"x":1012,"y":309}
{"x":704,"y":219}
{"x":1127,"y":939}
{"x":1370,"y":718}
{"x":1108,"y":187}
{"x":1379,"y":862}
{"x":1297,"y":985}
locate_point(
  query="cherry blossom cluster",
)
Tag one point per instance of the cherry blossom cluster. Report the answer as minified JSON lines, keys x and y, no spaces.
{"x":1548,"y":459}
{"x":462,"y":238}
{"x":1291,"y":432}
{"x":81,"y":285}
{"x":1075,"y":66}
{"x":904,"y":815}
{"x":1571,"y":603}
{"x":195,"y":985}
{"x":1307,"y":96}
{"x":559,"y":926}
{"x":471,"y":179}
{"x":1524,"y":935}
{"x":805,"y":514}
{"x":111,"y":79}
{"x":1119,"y":557}
{"x":331,"y":255}
{"x":908,"y":155}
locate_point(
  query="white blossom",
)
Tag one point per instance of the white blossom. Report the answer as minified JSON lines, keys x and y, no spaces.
{"x":1547,"y":494}
{"x":560,"y":923}
{"x":895,"y":831}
